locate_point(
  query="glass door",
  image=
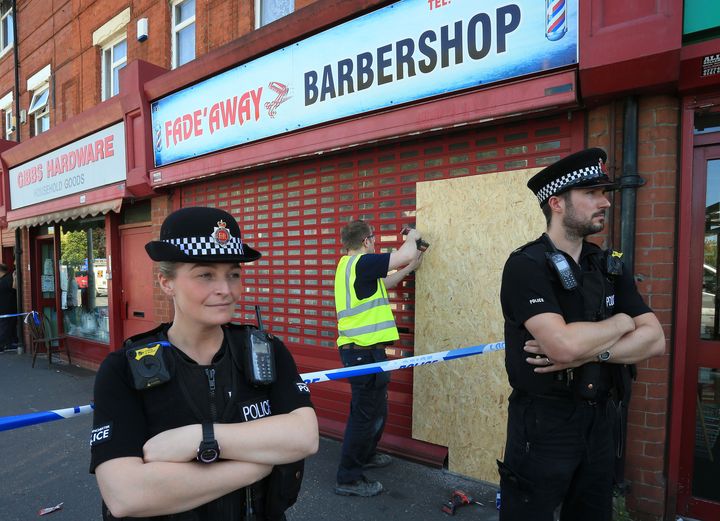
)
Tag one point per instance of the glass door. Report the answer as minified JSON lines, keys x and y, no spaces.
{"x":45,"y":275}
{"x":699,"y":495}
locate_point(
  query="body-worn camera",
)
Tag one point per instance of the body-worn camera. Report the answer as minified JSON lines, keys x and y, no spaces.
{"x":147,"y":365}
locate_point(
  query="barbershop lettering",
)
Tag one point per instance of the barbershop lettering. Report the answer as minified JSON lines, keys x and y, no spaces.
{"x":433,"y":50}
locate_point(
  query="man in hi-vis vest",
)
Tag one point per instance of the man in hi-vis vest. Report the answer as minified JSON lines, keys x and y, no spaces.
{"x":366,"y":326}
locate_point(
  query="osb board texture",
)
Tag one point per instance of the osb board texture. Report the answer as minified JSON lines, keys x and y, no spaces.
{"x":472,"y":224}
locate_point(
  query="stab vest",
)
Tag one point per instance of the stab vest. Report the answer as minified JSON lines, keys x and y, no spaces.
{"x":161,"y":405}
{"x":591,"y":301}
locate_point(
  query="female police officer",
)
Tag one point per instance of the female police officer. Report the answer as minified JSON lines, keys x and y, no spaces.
{"x":188,"y":421}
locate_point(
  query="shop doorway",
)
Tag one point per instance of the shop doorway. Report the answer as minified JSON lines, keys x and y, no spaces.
{"x":8,"y":257}
{"x":699,"y":494}
{"x":137,"y":285}
{"x":44,"y":281}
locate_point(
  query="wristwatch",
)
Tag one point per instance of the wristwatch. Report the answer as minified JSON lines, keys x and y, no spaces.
{"x":604,"y":356}
{"x":209,"y":450}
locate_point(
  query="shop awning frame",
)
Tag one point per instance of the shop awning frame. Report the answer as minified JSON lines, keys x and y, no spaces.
{"x":92,"y":209}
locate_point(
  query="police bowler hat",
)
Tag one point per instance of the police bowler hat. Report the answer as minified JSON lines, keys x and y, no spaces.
{"x":581,"y":169}
{"x":196,"y":234}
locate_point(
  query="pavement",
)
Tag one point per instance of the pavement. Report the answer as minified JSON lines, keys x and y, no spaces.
{"x":47,"y":464}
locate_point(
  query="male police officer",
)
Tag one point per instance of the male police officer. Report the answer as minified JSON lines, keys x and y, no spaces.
{"x":573,"y":321}
{"x":366,"y":326}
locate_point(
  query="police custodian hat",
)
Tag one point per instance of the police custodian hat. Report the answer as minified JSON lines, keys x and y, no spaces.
{"x":197,"y":234}
{"x":584,"y":168}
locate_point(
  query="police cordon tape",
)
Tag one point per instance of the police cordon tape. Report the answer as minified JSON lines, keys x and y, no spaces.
{"x":400,"y":363}
{"x":33,"y":313}
{"x":24,"y":420}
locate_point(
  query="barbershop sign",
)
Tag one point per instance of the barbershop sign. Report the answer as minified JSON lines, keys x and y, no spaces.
{"x":407,"y":51}
{"x":94,"y":161}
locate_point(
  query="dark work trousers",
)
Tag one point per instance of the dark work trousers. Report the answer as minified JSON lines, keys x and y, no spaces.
{"x":558,"y":452}
{"x":368,"y":411}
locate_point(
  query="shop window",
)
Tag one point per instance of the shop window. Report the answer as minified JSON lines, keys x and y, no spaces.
{"x":710,"y":312}
{"x":83,"y":280}
{"x":114,"y":58}
{"x":183,"y":32}
{"x":267,"y":11}
{"x":7,"y":37}
{"x":39,"y":110}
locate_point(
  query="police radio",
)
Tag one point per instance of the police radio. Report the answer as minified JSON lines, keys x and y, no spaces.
{"x":259,"y":355}
{"x":563,"y":269}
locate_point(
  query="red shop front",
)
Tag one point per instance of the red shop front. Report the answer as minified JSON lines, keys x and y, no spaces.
{"x":75,"y":193}
{"x":293,"y":192}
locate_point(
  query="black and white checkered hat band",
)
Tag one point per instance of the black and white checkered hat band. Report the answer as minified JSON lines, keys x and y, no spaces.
{"x":569,"y":179}
{"x":204,"y":246}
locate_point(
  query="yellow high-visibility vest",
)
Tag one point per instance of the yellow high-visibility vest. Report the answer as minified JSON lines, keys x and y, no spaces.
{"x":365,"y":321}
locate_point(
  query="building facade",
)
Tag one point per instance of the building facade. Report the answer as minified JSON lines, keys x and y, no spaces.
{"x":299,"y":116}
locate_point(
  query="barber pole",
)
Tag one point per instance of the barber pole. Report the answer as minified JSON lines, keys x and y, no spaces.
{"x":555,"y":19}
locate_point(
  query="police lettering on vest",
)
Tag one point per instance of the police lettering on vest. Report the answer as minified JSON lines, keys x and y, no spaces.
{"x":100,"y":434}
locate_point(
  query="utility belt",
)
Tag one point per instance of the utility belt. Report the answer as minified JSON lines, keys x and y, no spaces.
{"x":380,"y":345}
{"x":555,"y":399}
{"x":592,"y":381}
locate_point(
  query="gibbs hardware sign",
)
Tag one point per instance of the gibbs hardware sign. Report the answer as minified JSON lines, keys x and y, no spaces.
{"x":409,"y":50}
{"x":91,"y":162}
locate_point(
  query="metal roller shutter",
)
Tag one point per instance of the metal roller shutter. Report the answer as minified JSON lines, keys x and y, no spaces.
{"x":293,"y":214}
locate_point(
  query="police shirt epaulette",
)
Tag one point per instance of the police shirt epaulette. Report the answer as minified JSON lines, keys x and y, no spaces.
{"x":141,"y":338}
{"x":241,"y":327}
{"x":594,"y":246}
{"x":527,"y":245}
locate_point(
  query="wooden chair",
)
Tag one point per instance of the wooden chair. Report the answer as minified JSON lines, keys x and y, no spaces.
{"x":41,"y":342}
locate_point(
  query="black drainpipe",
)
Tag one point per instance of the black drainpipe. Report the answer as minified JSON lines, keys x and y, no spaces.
{"x":18,"y":231}
{"x":16,"y":54}
{"x":19,"y":288}
{"x":629,"y":183}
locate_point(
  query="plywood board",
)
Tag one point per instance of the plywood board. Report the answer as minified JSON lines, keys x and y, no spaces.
{"x":472,"y":224}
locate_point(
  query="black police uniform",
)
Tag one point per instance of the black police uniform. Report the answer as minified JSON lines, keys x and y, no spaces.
{"x":560,"y":444}
{"x":125,"y":418}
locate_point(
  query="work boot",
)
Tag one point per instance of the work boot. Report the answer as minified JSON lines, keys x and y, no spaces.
{"x":362,"y":487}
{"x":378,"y":460}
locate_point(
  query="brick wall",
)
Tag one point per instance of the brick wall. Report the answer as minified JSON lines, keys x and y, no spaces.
{"x":162,"y":304}
{"x":658,"y":149}
{"x":59,"y":33}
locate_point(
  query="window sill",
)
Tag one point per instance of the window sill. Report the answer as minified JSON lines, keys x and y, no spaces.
{"x":5,"y":51}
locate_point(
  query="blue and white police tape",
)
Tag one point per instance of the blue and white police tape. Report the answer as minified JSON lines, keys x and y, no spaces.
{"x":34,"y":314}
{"x":24,"y":420}
{"x":400,"y":363}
